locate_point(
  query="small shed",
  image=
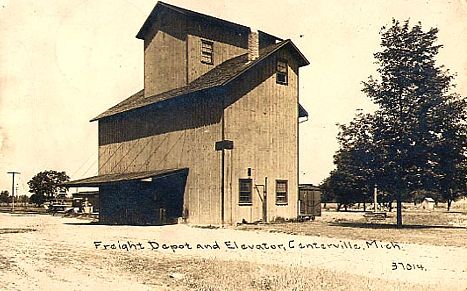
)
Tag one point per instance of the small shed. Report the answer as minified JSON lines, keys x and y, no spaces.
{"x":309,"y":201}
{"x":428,"y":203}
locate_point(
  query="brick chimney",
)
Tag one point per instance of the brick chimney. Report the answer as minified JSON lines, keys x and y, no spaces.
{"x":253,"y":45}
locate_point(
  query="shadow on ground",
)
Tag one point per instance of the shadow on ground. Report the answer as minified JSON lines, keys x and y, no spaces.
{"x":97,"y":223}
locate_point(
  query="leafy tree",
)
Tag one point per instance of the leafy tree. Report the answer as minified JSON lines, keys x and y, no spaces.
{"x":4,"y":197}
{"x":416,"y":140}
{"x":420,"y":127}
{"x":342,"y":187}
{"x":327,"y":194}
{"x":48,"y":183}
{"x":357,"y":156}
{"x":37,"y":199}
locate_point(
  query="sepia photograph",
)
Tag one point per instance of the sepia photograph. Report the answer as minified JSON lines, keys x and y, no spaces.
{"x":233,"y":145}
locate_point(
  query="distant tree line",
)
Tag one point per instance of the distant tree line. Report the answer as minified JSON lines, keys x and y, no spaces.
{"x":6,"y":198}
{"x":416,"y":141}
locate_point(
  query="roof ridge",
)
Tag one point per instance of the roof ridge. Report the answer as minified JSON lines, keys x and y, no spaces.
{"x":219,"y":76}
{"x":187,"y":12}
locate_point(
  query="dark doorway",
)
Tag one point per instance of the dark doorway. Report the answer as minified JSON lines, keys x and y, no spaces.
{"x":169,"y":196}
{"x":151,"y":201}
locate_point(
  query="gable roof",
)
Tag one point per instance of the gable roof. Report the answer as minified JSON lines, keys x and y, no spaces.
{"x":161,"y":5}
{"x":219,"y":76}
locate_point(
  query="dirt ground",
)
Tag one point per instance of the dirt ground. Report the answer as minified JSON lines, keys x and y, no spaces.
{"x":42,"y":252}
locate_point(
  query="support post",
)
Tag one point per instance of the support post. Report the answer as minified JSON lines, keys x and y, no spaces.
{"x":265,"y":200}
{"x":375,"y":197}
{"x":13,"y":173}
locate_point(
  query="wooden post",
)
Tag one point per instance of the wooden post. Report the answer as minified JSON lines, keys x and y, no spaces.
{"x":13,"y":173}
{"x":265,"y":200}
{"x":375,"y":194}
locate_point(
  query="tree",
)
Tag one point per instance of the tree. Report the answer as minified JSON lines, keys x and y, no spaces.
{"x":327,"y":194}
{"x":4,"y":197}
{"x":357,"y":156}
{"x":37,"y":199}
{"x":48,"y":183}
{"x":23,"y":199}
{"x":341,"y":186}
{"x":420,"y":127}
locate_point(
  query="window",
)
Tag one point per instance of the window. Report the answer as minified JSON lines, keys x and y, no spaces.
{"x":281,"y":192}
{"x":281,"y":72}
{"x":207,"y":52}
{"x":245,"y":186}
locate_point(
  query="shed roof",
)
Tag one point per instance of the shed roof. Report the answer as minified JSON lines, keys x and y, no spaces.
{"x":120,"y":177}
{"x":308,"y":187}
{"x":221,"y":75}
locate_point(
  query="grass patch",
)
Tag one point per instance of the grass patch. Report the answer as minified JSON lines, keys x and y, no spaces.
{"x":431,"y":228}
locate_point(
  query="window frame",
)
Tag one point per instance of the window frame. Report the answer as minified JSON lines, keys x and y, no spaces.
{"x":282,"y":198}
{"x":245,"y":202}
{"x":207,"y":51}
{"x":281,"y":74}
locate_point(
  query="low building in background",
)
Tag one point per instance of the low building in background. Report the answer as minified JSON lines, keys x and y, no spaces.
{"x":428,"y":203}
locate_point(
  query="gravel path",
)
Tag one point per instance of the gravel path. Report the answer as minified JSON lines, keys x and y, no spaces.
{"x":41,"y":252}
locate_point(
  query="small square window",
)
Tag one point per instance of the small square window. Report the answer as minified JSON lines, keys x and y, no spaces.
{"x":245,"y":187}
{"x":207,"y":51}
{"x":281,"y":192}
{"x":282,"y":72}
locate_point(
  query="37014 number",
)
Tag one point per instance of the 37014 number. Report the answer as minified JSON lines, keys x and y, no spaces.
{"x":407,"y":266}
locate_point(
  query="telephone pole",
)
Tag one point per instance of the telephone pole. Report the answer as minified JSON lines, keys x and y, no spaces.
{"x":13,"y":188}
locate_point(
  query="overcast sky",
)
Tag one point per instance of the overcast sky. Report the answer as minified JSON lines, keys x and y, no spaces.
{"x":64,"y":62}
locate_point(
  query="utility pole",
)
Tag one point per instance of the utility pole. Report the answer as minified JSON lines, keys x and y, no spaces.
{"x":13,"y":188}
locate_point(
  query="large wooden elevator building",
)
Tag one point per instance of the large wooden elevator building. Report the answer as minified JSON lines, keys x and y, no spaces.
{"x":213,"y":136}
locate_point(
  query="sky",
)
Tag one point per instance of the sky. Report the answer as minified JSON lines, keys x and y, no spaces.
{"x":64,"y":62}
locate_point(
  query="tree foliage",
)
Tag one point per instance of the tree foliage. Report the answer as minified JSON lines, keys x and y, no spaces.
{"x":340,"y":187}
{"x":37,"y":199}
{"x":5,"y":197}
{"x":47,"y":183}
{"x":416,"y":140}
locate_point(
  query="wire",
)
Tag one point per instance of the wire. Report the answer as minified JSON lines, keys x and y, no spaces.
{"x":82,"y":165}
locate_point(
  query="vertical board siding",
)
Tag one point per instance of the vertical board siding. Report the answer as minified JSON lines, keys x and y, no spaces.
{"x":221,"y":53}
{"x":172,"y":56}
{"x":165,"y":55}
{"x":191,"y":146}
{"x":227,"y":44}
{"x":263,"y":126}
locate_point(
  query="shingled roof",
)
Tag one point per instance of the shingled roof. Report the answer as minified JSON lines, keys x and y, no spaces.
{"x":218,"y":76}
{"x":100,"y":180}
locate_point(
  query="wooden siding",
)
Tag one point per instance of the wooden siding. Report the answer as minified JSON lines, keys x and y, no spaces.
{"x":179,"y":135}
{"x":226,"y":44}
{"x":262,"y":123}
{"x":172,"y":56}
{"x":165,"y":55}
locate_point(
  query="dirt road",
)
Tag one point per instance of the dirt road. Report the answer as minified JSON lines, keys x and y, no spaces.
{"x":41,"y":252}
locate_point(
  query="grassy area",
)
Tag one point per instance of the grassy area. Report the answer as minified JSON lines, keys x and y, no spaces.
{"x":172,"y":273}
{"x":22,"y":208}
{"x":433,"y":228}
{"x":206,"y":274}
